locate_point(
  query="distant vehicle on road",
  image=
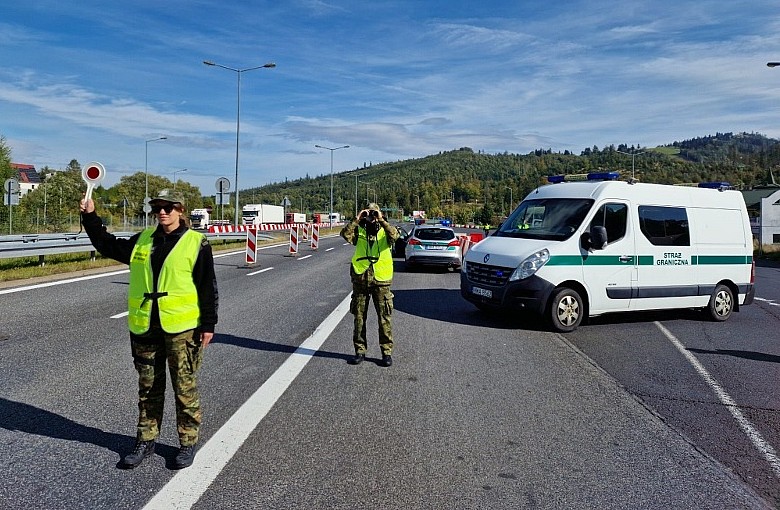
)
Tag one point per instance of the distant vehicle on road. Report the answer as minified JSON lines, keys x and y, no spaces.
{"x":433,"y":245}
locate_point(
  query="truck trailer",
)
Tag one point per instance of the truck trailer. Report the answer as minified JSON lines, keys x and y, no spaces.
{"x":294,"y":217}
{"x":258,"y":214}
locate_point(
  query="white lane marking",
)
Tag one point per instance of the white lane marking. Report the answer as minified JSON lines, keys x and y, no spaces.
{"x":304,"y":258}
{"x":188,"y":485}
{"x":260,"y":271}
{"x":330,"y":249}
{"x":767,"y":301}
{"x":120,"y":315}
{"x":754,"y":435}
{"x":61,"y":282}
{"x":346,"y":244}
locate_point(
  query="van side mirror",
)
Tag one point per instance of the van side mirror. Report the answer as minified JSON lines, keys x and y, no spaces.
{"x":596,"y":239}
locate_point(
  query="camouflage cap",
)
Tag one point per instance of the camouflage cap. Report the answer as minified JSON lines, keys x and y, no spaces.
{"x":168,"y":196}
{"x":373,"y":206}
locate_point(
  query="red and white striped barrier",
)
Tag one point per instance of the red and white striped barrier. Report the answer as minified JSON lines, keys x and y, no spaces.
{"x":465,"y":244}
{"x":315,"y":236}
{"x":305,"y":232}
{"x":294,"y":240}
{"x":225,"y":229}
{"x":251,"y":245}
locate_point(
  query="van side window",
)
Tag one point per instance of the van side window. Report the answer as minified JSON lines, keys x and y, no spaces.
{"x":665,"y":226}
{"x":613,"y":217}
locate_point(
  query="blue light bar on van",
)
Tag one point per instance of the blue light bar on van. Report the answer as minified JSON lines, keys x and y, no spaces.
{"x":715,"y":185}
{"x":554,"y":179}
{"x":603,"y":176}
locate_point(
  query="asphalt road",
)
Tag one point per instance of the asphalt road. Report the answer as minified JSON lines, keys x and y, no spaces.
{"x":477,"y":411}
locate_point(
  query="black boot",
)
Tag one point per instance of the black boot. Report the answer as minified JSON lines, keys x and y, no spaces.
{"x":185,"y":457}
{"x":357,"y":359}
{"x":142,"y":450}
{"x":387,"y":360}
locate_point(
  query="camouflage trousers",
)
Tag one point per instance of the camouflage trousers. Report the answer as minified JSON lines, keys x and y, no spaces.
{"x":183,"y":355}
{"x":383,"y":304}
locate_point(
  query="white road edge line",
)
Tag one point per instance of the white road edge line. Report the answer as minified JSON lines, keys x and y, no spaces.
{"x":754,"y":435}
{"x":330,"y":249}
{"x":304,"y":258}
{"x":260,"y":271}
{"x":187,"y":486}
{"x":62,"y":282}
{"x":120,"y":315}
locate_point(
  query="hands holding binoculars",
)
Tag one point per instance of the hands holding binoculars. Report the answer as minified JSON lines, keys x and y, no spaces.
{"x":370,"y":213}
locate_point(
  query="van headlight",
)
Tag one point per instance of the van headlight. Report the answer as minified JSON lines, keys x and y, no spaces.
{"x":530,"y":265}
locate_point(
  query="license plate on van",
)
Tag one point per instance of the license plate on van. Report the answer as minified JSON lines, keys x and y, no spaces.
{"x":482,"y":292}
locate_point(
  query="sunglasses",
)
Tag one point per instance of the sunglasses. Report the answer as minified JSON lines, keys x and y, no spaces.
{"x":167,"y":208}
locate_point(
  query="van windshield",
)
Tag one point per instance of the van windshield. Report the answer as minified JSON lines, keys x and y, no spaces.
{"x":553,"y":219}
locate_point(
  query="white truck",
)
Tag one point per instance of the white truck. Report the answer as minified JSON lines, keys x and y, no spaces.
{"x":294,"y":217}
{"x":573,"y":250}
{"x":258,"y":214}
{"x":335,"y":217}
{"x":199,"y":218}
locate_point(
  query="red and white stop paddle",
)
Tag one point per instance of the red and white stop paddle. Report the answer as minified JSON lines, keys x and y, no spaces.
{"x":92,"y":174}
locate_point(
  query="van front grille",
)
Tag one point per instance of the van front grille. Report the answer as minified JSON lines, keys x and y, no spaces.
{"x":488,"y":275}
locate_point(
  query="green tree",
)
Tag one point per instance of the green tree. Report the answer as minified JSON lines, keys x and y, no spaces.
{"x":5,"y":160}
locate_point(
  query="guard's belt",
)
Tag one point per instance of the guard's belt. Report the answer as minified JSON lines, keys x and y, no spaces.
{"x":152,"y":295}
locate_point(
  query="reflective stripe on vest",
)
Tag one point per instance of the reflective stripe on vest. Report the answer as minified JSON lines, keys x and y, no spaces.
{"x":378,"y":254}
{"x":176,"y":295}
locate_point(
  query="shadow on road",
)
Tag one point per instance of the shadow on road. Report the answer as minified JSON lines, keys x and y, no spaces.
{"x":751,"y":355}
{"x":21,"y":417}
{"x":447,"y":305}
{"x":252,"y":343}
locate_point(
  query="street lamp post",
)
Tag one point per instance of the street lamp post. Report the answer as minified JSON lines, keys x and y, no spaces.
{"x":633,"y":155}
{"x":330,"y":216}
{"x":146,"y":178}
{"x":174,"y":176}
{"x":238,"y":111}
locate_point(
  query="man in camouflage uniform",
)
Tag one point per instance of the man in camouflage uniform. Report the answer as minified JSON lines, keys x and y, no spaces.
{"x":372,"y":274}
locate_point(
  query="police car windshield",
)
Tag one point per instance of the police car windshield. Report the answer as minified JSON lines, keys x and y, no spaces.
{"x":551,"y":218}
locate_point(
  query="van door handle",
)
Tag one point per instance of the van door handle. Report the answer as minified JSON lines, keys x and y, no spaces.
{"x":626,"y":258}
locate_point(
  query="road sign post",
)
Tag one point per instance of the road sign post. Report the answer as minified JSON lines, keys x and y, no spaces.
{"x":10,"y":198}
{"x":223,"y":186}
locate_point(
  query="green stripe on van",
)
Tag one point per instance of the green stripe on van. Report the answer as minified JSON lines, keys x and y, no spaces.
{"x":720,"y":259}
{"x":643,"y":260}
{"x":596,"y":260}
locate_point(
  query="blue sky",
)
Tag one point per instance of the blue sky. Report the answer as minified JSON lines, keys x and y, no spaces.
{"x":392,"y":79}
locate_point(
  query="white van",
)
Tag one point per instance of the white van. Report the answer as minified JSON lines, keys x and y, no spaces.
{"x":580,"y":249}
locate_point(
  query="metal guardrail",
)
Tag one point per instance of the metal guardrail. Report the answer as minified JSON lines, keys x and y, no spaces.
{"x":41,"y":245}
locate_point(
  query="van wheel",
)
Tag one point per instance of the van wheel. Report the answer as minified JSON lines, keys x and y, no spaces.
{"x":721,"y":303}
{"x":566,"y":310}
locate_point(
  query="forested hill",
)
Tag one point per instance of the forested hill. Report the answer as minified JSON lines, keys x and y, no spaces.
{"x":468,"y":185}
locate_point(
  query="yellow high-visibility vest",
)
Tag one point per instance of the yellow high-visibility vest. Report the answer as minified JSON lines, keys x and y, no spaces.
{"x":177,"y":295}
{"x":378,"y":254}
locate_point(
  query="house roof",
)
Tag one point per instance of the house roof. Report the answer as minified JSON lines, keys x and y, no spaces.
{"x":26,"y":173}
{"x":753,"y":197}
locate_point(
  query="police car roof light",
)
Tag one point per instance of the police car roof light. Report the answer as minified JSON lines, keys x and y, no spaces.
{"x":603,"y":176}
{"x":553,"y":179}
